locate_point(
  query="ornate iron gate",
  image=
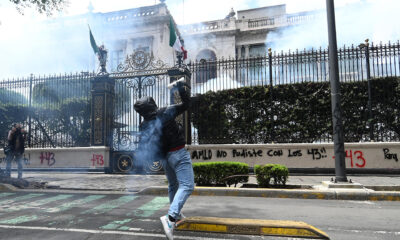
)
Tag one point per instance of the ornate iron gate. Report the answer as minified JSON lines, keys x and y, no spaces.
{"x":139,"y":75}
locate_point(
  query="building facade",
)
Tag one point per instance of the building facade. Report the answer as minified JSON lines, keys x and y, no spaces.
{"x":244,"y":34}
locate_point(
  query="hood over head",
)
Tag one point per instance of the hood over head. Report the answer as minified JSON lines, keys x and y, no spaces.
{"x":146,"y":107}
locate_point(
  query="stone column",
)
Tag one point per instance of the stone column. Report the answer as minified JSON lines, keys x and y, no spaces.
{"x":239,"y":52}
{"x":102,"y":114}
{"x":184,"y":119}
{"x":247,"y":50}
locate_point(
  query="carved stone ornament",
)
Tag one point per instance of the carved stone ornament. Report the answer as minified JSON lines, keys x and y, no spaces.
{"x":140,"y":61}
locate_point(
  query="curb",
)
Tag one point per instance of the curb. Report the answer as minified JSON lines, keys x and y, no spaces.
{"x":7,"y":187}
{"x":337,"y":194}
{"x":251,"y":227}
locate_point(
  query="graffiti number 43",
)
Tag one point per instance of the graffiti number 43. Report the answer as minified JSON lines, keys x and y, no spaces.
{"x":97,"y":160}
{"x":359,"y":157}
{"x":47,"y":156}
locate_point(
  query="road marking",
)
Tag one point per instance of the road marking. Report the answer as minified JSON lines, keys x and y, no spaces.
{"x":132,"y":229}
{"x":72,"y":204}
{"x":5,"y":204}
{"x":103,"y":208}
{"x":39,"y":202}
{"x":115,"y":224}
{"x":151,"y":207}
{"x":106,"y":232}
{"x":363,"y":202}
{"x":20,"y":219}
{"x":5,"y":194}
{"x":363,"y":231}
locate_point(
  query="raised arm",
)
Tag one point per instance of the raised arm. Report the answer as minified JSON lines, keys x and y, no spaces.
{"x":177,"y":109}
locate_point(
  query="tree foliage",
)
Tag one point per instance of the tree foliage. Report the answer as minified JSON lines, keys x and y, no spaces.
{"x":42,"y":6}
{"x":63,"y":107}
{"x":13,"y":109}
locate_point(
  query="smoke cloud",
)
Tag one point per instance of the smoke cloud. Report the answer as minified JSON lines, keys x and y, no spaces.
{"x":375,"y":20}
{"x":36,"y":44}
{"x":29,"y":45}
{"x":149,"y":148}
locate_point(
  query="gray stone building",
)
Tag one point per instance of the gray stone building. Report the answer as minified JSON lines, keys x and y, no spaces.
{"x":241,"y":34}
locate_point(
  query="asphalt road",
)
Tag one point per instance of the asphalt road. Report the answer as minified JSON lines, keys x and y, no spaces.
{"x":100,"y":215}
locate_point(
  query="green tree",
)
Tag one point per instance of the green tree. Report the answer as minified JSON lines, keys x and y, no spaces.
{"x":63,"y":108}
{"x":42,"y":6}
{"x":13,"y":108}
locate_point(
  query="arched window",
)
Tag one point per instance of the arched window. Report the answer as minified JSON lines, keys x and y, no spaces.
{"x":207,"y":66}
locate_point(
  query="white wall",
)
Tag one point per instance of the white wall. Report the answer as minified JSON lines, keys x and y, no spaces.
{"x":358,"y":155}
{"x":79,"y":157}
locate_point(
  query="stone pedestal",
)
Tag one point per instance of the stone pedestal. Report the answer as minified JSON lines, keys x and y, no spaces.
{"x":102,"y":106}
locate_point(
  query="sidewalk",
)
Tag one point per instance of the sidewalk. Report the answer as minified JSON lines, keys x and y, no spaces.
{"x":122,"y":182}
{"x":378,"y":187}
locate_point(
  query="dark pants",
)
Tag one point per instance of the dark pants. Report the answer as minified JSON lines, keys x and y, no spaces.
{"x":18,"y":158}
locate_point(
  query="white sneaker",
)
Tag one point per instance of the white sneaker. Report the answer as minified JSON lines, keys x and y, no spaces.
{"x":168,"y":227}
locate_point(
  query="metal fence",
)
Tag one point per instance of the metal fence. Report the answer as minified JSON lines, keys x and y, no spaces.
{"x":55,"y":110}
{"x":295,"y":67}
{"x":356,"y":63}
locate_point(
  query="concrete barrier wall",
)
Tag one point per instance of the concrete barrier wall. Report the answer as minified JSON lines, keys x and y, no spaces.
{"x":358,"y":155}
{"x":78,"y":157}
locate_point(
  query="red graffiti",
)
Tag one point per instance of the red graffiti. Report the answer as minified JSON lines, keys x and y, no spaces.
{"x":356,"y":158}
{"x":97,"y":159}
{"x":49,"y":157}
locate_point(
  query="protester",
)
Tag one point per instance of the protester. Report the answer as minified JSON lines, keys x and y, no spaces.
{"x":16,"y":148}
{"x":163,"y":138}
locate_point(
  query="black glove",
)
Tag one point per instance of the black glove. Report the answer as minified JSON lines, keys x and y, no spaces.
{"x":180,"y":85}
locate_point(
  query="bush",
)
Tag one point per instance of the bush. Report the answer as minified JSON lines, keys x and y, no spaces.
{"x":252,"y":115}
{"x":280,"y":174}
{"x":277,"y":172}
{"x":220,"y":173}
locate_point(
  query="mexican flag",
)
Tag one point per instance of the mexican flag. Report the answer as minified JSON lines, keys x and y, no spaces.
{"x":174,"y":41}
{"x":93,"y":42}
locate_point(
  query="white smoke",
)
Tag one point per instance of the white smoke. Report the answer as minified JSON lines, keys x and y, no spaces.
{"x":150,"y":147}
{"x":32,"y":43}
{"x":216,"y":84}
{"x":41,"y":45}
{"x":375,"y":20}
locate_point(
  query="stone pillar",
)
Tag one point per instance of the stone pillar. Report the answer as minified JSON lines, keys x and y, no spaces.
{"x":246,"y":52}
{"x":102,"y":114}
{"x":184,"y":119}
{"x":129,"y":47}
{"x":239,"y":52}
